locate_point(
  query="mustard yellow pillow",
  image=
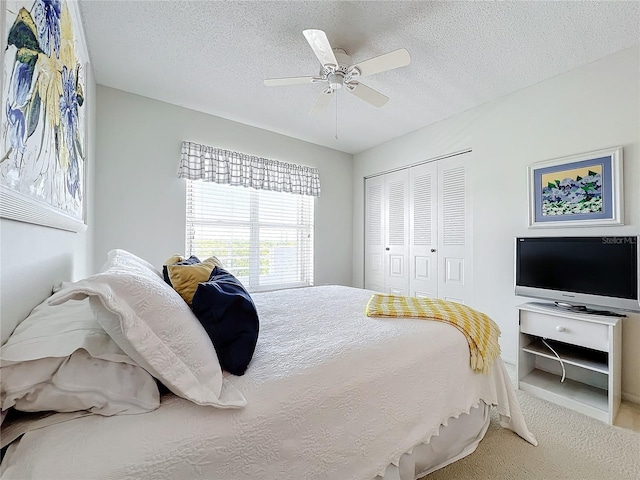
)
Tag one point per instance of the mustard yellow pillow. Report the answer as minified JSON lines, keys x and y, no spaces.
{"x":175,"y":258}
{"x":185,"y":278}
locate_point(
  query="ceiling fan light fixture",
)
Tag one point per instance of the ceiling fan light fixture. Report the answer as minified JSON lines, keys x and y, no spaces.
{"x":336,"y":80}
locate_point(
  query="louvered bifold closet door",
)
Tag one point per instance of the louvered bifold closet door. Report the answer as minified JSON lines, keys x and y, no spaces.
{"x":455,"y":256}
{"x":423,"y":230}
{"x":374,"y":244}
{"x":396,"y":201}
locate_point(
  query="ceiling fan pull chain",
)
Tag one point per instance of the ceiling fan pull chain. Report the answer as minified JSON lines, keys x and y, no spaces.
{"x":336,"y":114}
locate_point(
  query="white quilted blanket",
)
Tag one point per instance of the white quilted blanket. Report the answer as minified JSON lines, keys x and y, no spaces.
{"x":332,"y":394}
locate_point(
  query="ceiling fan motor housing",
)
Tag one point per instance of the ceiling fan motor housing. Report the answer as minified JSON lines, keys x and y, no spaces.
{"x":338,"y":76}
{"x":344,"y":60}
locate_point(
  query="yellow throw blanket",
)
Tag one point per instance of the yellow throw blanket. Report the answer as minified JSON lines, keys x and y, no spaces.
{"x":481,"y":332}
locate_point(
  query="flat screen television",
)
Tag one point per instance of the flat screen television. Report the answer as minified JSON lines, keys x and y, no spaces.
{"x":577,"y":272}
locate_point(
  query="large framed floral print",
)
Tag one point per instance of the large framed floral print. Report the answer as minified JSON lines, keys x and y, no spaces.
{"x":43,"y":146}
{"x":579,"y":191}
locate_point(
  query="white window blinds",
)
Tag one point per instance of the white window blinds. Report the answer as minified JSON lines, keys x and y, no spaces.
{"x":264,"y":238}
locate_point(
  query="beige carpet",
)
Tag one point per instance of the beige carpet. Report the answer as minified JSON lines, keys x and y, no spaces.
{"x":570,"y":446}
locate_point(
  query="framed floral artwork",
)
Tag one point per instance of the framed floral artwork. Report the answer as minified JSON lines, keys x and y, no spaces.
{"x":44,"y":114}
{"x":578,"y":191}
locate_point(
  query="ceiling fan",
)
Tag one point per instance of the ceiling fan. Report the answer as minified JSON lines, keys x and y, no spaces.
{"x":337,"y":72}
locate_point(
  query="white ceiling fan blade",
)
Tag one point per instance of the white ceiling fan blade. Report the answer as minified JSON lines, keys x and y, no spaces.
{"x":321,"y":46}
{"x":321,"y":103}
{"x":368,"y":94}
{"x":388,"y":61}
{"x":279,"y":82}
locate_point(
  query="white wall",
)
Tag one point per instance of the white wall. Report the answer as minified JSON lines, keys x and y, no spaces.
{"x":589,"y":108}
{"x":34,"y":258}
{"x":140,"y":201}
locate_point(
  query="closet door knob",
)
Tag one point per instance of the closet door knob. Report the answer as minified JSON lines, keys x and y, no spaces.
{"x":387,"y":248}
{"x":560,"y":328}
{"x":433,"y":250}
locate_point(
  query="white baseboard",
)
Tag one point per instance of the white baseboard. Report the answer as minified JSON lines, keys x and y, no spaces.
{"x":630,"y":398}
{"x":510,"y":361}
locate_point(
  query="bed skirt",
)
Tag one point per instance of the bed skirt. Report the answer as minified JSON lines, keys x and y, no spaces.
{"x":455,"y":440}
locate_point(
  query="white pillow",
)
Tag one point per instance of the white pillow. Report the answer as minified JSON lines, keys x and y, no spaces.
{"x":121,"y":258}
{"x":60,"y":358}
{"x":78,"y":382}
{"x":58,"y":331}
{"x":153,"y":325}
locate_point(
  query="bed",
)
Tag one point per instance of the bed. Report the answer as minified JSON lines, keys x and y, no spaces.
{"x":330,"y":393}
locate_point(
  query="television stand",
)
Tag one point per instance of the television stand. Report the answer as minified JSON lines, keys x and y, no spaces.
{"x":584,"y":309}
{"x":571,"y":358}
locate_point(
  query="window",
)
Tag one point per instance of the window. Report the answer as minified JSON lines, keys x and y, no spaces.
{"x":264,"y":238}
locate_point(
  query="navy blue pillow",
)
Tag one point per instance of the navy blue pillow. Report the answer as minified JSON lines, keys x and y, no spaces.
{"x":227,"y":313}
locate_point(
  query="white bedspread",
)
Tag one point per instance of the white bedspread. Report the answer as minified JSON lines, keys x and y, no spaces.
{"x":331,"y":394}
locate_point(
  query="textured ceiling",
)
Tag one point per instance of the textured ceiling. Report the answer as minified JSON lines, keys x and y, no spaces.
{"x":213,"y":56}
